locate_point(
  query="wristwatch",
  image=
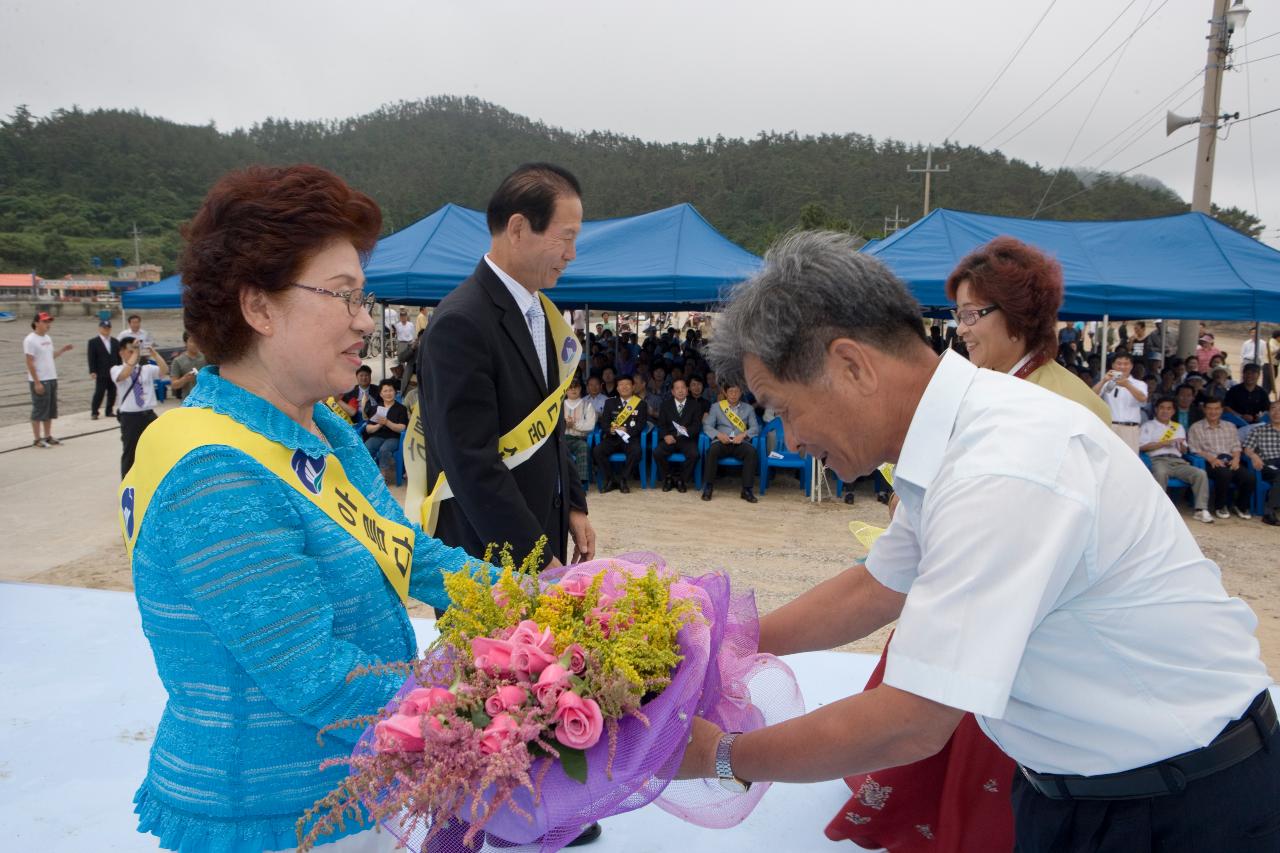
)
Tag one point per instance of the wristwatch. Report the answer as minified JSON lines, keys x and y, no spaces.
{"x":724,"y":767}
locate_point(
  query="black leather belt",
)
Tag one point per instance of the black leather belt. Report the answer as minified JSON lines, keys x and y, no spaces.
{"x":1238,"y":741}
{"x":1125,"y":423}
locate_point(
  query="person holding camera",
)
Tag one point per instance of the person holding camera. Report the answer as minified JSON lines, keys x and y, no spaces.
{"x":135,"y":378}
{"x":1124,"y":395}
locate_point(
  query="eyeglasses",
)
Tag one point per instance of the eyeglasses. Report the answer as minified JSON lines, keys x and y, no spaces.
{"x":972,"y":316}
{"x":355,"y":299}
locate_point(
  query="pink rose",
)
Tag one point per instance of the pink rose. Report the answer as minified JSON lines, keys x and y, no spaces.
{"x":553,"y":681}
{"x":425,"y":700}
{"x":492,"y":656}
{"x":502,"y":731}
{"x":500,"y":596}
{"x":577,"y":659}
{"x":403,"y":732}
{"x":529,"y":633}
{"x":530,"y":659}
{"x":576,"y":582}
{"x":508,"y":698}
{"x":579,"y":721}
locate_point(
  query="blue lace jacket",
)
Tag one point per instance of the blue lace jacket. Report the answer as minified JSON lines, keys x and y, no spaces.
{"x":257,"y":606}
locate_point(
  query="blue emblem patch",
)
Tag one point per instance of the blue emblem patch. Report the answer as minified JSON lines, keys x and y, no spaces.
{"x":569,"y":350}
{"x":310,"y":470}
{"x":126,"y":507}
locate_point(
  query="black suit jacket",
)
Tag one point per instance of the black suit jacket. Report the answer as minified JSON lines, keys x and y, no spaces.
{"x":480,"y":377}
{"x":634,"y":425}
{"x":103,"y":358}
{"x":691,"y":420}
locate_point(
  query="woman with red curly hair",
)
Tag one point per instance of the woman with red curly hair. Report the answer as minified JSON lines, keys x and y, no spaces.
{"x":1007,"y":297}
{"x":269,"y":558}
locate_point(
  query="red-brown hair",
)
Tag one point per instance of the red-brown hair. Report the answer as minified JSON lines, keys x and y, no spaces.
{"x":1026,"y":284}
{"x":256,"y":228}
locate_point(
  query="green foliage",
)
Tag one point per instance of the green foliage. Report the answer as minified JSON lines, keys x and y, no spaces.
{"x":95,"y":174}
{"x":1241,"y":220}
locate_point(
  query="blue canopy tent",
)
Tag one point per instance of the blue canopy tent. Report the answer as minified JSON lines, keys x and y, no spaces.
{"x":165,"y":293}
{"x":1186,"y":266}
{"x":669,"y":259}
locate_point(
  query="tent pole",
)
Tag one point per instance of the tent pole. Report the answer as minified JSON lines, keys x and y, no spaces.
{"x":1257,"y":345}
{"x":382,"y":324}
{"x":1163,"y":332}
{"x":1106,"y":341}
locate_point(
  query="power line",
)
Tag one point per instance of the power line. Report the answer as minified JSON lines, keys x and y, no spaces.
{"x":1098,"y":98}
{"x":1153,"y":159}
{"x":1248,"y":104}
{"x":1261,"y":38}
{"x":1144,"y":116}
{"x":1259,"y":59}
{"x":987,"y":91}
{"x":1137,"y":137}
{"x":1082,"y":80}
{"x":1122,"y":174}
{"x":1073,"y":64}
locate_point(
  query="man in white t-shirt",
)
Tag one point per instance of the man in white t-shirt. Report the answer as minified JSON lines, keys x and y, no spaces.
{"x":135,"y":380}
{"x":1038,"y":577}
{"x":42,"y":379}
{"x":1164,"y":441}
{"x":1124,"y":396}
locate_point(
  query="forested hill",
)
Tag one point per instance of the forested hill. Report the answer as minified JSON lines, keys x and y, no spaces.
{"x":73,"y":184}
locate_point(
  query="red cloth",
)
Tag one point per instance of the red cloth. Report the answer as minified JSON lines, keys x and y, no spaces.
{"x":954,"y":802}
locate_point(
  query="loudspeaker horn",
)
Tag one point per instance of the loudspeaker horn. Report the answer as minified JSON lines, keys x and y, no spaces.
{"x":1173,"y":121}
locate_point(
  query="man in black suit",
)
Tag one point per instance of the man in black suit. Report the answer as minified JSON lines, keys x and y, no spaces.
{"x":621,"y":423}
{"x":679,"y":425}
{"x":104,"y":354}
{"x":487,"y":361}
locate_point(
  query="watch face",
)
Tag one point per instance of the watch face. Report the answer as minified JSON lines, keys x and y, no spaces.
{"x":732,"y":784}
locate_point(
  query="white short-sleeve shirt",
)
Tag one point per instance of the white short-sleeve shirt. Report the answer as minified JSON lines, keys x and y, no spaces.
{"x":40,"y":348}
{"x":1125,"y":408}
{"x":1052,"y":588}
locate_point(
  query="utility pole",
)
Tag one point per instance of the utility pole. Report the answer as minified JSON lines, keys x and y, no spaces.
{"x":137,"y":257}
{"x":928,"y":170}
{"x":1220,"y":29}
{"x":894,"y":223}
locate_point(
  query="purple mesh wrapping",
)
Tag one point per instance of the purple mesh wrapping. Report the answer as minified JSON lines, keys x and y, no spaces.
{"x":722,"y":678}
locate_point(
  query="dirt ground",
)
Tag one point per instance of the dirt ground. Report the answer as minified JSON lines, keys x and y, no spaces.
{"x":779,"y":547}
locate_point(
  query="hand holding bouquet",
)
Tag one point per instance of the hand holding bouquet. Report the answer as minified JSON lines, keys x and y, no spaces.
{"x":548,"y":702}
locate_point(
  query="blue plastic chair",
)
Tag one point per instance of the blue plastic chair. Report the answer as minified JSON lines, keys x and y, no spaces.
{"x":642,"y":467}
{"x":704,"y":444}
{"x":674,"y":458}
{"x":791,"y":461}
{"x":162,"y":389}
{"x":1174,"y":482}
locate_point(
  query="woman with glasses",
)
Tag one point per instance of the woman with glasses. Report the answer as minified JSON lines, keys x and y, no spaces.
{"x":271,"y":560}
{"x":1007,"y":297}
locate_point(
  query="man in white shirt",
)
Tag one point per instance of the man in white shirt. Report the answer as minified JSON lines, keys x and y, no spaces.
{"x":135,"y":380}
{"x":1164,"y":441}
{"x":594,"y":396}
{"x":1124,"y":396}
{"x":141,"y":335}
{"x":42,"y":379}
{"x":1250,"y":352}
{"x":1039,"y":577}
{"x":406,"y":334}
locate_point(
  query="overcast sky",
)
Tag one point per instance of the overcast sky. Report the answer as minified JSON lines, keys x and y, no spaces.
{"x":676,"y":71}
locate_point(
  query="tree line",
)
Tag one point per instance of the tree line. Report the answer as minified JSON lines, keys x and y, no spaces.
{"x":74,"y":183}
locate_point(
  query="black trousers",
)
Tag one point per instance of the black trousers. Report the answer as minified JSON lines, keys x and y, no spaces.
{"x":132,"y":425}
{"x":687,"y":446}
{"x":746,"y":452}
{"x":1223,"y":478}
{"x":103,"y":386}
{"x":1271,"y":474}
{"x":1236,"y":810}
{"x":611,"y":444}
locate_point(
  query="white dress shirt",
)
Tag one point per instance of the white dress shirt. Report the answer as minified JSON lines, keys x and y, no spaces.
{"x":127,"y":399}
{"x":1052,"y":588}
{"x":1125,"y":408}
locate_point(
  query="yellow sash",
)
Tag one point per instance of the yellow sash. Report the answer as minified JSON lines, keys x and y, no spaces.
{"x":624,"y":414}
{"x":886,"y":471}
{"x":514,"y":447}
{"x":336,"y":407}
{"x":729,"y":413}
{"x":322,"y":481}
{"x":1170,"y":431}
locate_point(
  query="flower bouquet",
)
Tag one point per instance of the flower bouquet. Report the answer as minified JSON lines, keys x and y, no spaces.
{"x":551,"y":701}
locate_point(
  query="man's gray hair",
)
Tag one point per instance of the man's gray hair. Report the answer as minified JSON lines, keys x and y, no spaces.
{"x":815,"y":287}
